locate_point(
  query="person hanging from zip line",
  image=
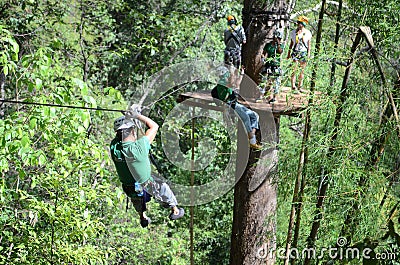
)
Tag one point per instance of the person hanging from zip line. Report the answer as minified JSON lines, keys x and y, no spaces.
{"x":130,"y":155}
{"x":234,"y":37}
{"x":271,"y":70}
{"x":224,"y":91}
{"x":299,"y":51}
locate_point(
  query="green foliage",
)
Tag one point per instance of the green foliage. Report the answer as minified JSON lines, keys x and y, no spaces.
{"x":9,"y":53}
{"x":60,"y":200}
{"x":360,"y":127}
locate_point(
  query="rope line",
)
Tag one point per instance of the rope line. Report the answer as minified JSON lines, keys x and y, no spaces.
{"x":58,"y":106}
{"x":168,"y":94}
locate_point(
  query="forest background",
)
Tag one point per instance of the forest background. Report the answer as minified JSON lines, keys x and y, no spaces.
{"x":60,"y":199}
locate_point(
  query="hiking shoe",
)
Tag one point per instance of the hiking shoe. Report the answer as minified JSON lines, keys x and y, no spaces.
{"x":145,"y":222}
{"x":255,"y":146}
{"x":303,"y":90}
{"x":173,"y":216}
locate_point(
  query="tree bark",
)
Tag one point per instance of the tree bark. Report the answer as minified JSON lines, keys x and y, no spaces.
{"x":259,"y":22}
{"x":254,"y":226}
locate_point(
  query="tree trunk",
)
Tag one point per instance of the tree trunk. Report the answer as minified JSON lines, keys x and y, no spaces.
{"x":2,"y":91}
{"x":376,"y":152}
{"x":377,"y":148}
{"x":337,"y":37}
{"x":254,"y":226}
{"x":259,"y":22}
{"x":85,"y":57}
{"x":301,"y":171}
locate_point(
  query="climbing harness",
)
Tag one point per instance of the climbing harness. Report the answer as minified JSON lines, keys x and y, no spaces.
{"x":234,"y":35}
{"x":301,"y":43}
{"x":152,"y":157}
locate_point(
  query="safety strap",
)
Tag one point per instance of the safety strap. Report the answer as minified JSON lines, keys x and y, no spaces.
{"x":152,"y":157}
{"x":302,"y":40}
{"x":234,"y":36}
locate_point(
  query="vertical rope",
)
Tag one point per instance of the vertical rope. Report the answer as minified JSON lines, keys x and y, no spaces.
{"x":191,"y":194}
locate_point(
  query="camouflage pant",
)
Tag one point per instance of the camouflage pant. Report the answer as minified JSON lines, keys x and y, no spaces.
{"x":300,"y":56}
{"x":233,"y":57}
{"x":272,"y":73}
{"x":158,"y":189}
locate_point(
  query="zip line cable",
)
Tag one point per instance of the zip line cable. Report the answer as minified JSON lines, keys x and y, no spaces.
{"x":90,"y":108}
{"x":58,"y":106}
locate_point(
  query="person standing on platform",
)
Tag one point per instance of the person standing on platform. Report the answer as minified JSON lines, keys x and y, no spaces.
{"x":234,"y":37}
{"x":299,"y":51}
{"x":271,"y":70}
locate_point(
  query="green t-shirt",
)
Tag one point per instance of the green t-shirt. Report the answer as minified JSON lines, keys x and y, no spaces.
{"x":131,"y":160}
{"x":273,"y":57}
{"x":223,"y":92}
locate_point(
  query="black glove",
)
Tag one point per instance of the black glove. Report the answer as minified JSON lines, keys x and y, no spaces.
{"x":233,"y":97}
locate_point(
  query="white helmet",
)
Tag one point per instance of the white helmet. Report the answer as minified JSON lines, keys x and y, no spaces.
{"x":278,"y":34}
{"x":222,"y":70}
{"x":122,"y":123}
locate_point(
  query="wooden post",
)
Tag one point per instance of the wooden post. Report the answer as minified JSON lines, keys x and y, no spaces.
{"x":192,"y":194}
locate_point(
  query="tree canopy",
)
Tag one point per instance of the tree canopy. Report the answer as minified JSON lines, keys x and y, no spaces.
{"x":60,"y":199}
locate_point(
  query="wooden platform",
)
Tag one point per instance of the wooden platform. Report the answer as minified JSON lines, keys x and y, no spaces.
{"x":288,"y":102}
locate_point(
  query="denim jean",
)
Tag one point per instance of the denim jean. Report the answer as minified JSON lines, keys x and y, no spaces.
{"x":249,"y":118}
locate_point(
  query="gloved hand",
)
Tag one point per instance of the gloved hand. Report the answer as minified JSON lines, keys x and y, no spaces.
{"x":133,"y":112}
{"x":233,"y":96}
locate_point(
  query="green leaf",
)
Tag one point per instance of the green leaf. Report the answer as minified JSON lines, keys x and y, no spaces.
{"x":3,"y":165}
{"x":42,"y":159}
{"x":23,"y":151}
{"x":22,"y":173}
{"x":81,"y":129}
{"x":33,"y":182}
{"x":81,"y":85}
{"x":32,"y":123}
{"x":85,"y":116}
{"x":5,"y":70}
{"x":25,"y":141}
{"x":8,"y":136}
{"x":90,"y":100}
{"x":38,"y":83}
